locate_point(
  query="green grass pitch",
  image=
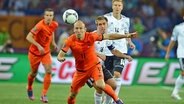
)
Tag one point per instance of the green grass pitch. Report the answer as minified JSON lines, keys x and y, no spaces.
{"x":15,"y":93}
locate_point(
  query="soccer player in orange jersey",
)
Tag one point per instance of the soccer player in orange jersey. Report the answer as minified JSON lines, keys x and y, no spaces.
{"x":41,"y":37}
{"x":87,"y":64}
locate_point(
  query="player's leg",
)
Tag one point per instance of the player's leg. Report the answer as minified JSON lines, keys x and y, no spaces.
{"x":97,"y":75}
{"x":79,"y":80}
{"x":112,"y":83}
{"x":179,"y":81}
{"x":34,"y":63}
{"x":98,"y":93}
{"x":108,"y":77}
{"x":47,"y":64}
{"x":118,"y":68}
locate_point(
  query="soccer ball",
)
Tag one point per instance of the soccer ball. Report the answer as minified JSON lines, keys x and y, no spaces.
{"x":70,"y":16}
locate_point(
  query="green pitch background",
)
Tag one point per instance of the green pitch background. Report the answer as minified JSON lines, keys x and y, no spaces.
{"x":15,"y":93}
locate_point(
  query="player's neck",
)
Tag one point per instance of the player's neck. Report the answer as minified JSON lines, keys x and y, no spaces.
{"x":79,"y":37}
{"x":47,"y":23}
{"x":117,"y":16}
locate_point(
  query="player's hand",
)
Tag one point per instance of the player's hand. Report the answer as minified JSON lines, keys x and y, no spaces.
{"x":41,"y":49}
{"x":131,"y":45}
{"x":129,"y":58}
{"x":61,"y":59}
{"x":132,"y":35}
{"x":56,"y":49}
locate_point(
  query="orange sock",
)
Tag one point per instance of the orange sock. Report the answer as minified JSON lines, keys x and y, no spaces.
{"x":108,"y":90}
{"x":46,"y":83}
{"x":71,"y":100}
{"x":30,"y":82}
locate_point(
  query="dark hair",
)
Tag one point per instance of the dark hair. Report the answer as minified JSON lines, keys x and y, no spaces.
{"x":100,"y":18}
{"x":49,"y":10}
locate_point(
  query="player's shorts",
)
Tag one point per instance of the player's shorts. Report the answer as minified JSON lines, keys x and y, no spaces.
{"x":35,"y":60}
{"x":181,"y":62}
{"x":118,"y":64}
{"x":109,"y":61}
{"x":81,"y":77}
{"x":107,"y":74}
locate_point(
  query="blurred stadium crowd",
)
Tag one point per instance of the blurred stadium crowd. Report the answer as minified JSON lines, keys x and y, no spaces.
{"x":153,"y":19}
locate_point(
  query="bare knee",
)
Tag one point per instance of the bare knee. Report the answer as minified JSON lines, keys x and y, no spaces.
{"x":100,"y":84}
{"x":117,"y":74}
{"x":73,"y":95}
{"x":48,"y":69}
{"x":33,"y":73}
{"x":112,"y":83}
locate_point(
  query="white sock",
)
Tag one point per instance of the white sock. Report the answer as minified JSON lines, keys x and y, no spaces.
{"x":97,"y":98}
{"x":118,"y":83}
{"x":108,"y":99}
{"x":178,"y":84}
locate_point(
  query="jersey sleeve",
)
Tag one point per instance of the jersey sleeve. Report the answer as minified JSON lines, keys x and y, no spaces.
{"x":36,"y":29}
{"x":174,"y":34}
{"x":97,"y":37}
{"x":128,"y":25}
{"x":66,"y":46}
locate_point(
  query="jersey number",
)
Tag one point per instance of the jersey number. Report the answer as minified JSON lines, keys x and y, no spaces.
{"x":116,"y":30}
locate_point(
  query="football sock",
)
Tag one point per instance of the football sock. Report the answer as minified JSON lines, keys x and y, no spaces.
{"x":118,"y":83}
{"x":178,"y":84}
{"x":108,"y":99}
{"x":30,"y":82}
{"x":71,"y":100}
{"x":97,"y":98}
{"x":46,"y":83}
{"x":108,"y":90}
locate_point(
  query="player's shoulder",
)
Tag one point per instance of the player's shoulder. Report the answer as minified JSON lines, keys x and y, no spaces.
{"x":55,"y":23}
{"x":72,"y":37}
{"x":40,"y":23}
{"x":123,"y":17}
{"x":178,"y":26}
{"x":108,"y":14}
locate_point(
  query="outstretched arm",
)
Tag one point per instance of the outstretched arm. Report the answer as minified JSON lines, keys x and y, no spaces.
{"x":119,"y":36}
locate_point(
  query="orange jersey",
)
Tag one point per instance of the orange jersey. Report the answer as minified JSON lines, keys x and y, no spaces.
{"x":83,"y":50}
{"x":43,"y":35}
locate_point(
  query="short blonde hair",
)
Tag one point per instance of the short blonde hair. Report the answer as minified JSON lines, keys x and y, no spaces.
{"x":117,"y":1}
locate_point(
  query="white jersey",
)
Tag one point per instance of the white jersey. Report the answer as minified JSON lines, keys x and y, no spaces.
{"x":103,"y":47}
{"x":178,"y":35}
{"x":118,"y":26}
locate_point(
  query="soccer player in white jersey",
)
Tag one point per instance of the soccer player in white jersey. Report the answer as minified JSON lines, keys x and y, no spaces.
{"x":101,"y":23}
{"x":118,"y":23}
{"x":177,"y":35}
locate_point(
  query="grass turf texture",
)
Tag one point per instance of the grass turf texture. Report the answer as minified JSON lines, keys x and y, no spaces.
{"x":15,"y":93}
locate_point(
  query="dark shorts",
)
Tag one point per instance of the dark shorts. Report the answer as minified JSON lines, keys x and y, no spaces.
{"x":118,"y":64}
{"x":109,"y":64}
{"x":107,"y":74}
